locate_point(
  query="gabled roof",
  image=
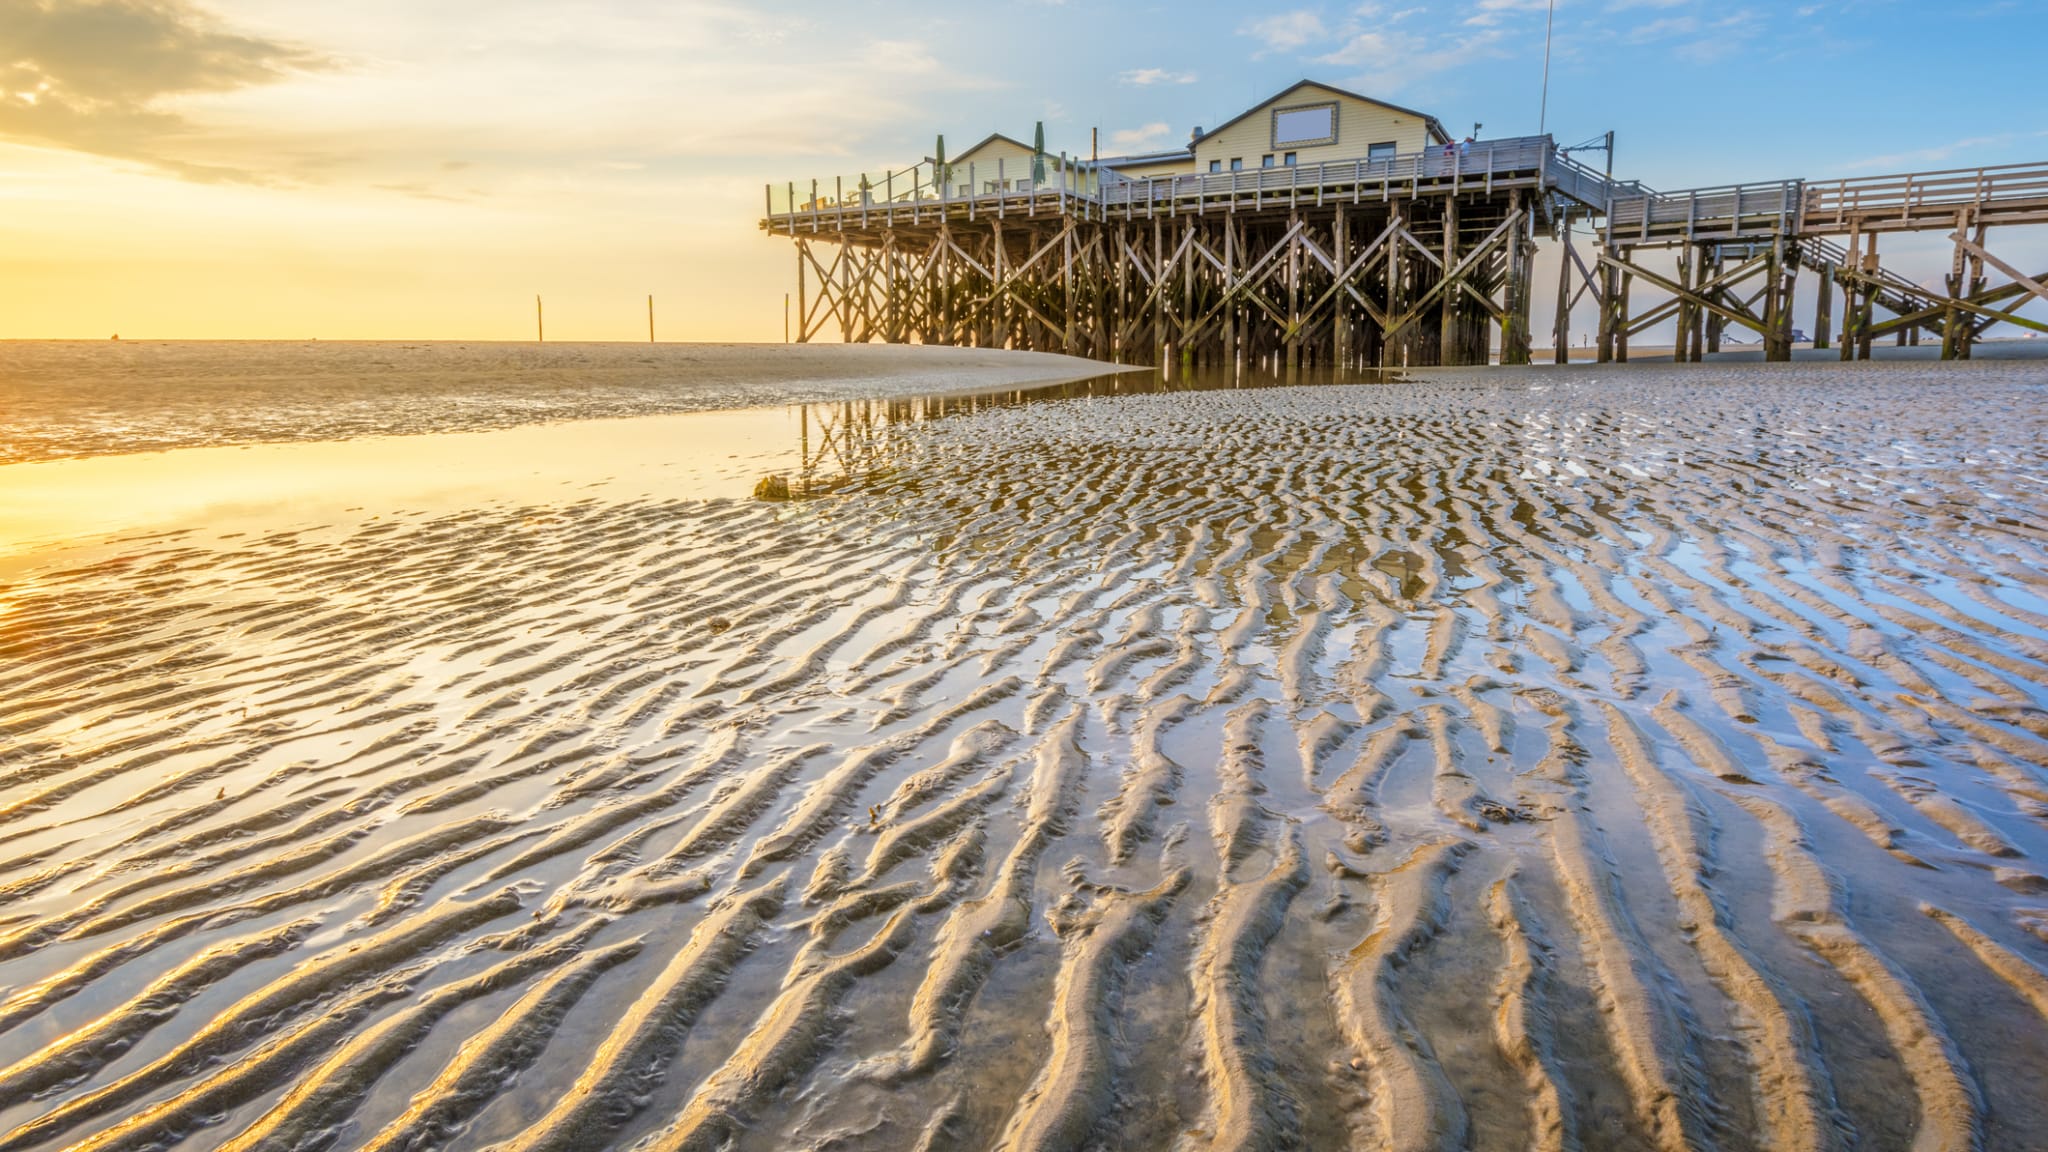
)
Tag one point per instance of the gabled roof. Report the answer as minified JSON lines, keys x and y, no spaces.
{"x":1140,"y":158}
{"x":1436,"y":129}
{"x":990,"y":139}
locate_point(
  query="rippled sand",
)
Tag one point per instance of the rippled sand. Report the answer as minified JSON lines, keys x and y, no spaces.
{"x":1556,"y":760}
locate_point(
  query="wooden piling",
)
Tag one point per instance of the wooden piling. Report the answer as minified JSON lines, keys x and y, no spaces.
{"x":1514,"y":336}
{"x":1561,"y":323}
{"x":1823,"y":305}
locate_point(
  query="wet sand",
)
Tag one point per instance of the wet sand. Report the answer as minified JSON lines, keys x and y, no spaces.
{"x":1564,"y":759}
{"x":68,"y":398}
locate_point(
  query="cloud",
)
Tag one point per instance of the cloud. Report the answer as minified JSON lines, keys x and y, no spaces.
{"x":1144,"y":138}
{"x":900,"y":58}
{"x":1145,"y":77}
{"x":1941,"y":153}
{"x":1385,"y":51}
{"x":1490,"y":11}
{"x":95,"y":76}
{"x":1286,"y":31}
{"x":1386,"y":61}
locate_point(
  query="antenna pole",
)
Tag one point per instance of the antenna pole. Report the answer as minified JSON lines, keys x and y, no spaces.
{"x":1543,"y":109}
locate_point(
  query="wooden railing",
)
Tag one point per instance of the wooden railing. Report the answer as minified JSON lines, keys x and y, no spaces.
{"x":1895,"y":292}
{"x":1583,"y":184}
{"x":923,"y":184}
{"x":1729,"y":209}
{"x":914,"y":193}
{"x":1481,"y":162}
{"x":1836,"y":203}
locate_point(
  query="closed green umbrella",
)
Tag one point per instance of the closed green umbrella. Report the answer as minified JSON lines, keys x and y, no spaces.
{"x":1038,"y":154}
{"x":940,"y":176}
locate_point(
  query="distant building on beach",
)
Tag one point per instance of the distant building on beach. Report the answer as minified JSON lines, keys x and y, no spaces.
{"x":1308,"y":123}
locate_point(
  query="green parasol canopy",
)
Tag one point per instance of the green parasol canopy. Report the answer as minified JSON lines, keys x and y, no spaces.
{"x":1038,"y":154}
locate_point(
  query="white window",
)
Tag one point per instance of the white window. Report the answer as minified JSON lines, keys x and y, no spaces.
{"x":1288,"y":159}
{"x":1382,"y":151}
{"x":1305,"y":124}
{"x":1237,"y":163}
{"x":1266,"y":161}
{"x":1215,"y":165}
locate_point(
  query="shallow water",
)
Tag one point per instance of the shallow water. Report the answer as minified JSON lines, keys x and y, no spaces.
{"x":1584,"y":759}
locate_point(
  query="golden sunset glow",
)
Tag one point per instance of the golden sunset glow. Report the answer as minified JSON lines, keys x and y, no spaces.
{"x":251,"y":169}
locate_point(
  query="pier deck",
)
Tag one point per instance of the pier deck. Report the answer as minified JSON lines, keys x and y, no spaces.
{"x":1419,"y":258}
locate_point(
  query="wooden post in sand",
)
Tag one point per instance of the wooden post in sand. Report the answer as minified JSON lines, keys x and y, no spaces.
{"x":1716,"y":323}
{"x":540,"y":331}
{"x":1561,"y":326}
{"x":1449,"y":349}
{"x":650,"y":319}
{"x":1514,"y":335}
{"x":1682,"y":317}
{"x":1864,"y":297}
{"x":1621,"y":317}
{"x":1606,"y":289}
{"x":1824,"y":306}
{"x":1340,"y":324}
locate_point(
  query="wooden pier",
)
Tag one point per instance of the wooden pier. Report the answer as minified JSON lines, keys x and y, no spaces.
{"x":1406,"y":260}
{"x":1738,"y":251}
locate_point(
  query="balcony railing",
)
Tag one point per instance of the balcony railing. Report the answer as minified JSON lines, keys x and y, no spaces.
{"x":928,"y":184}
{"x":923,"y":190}
{"x":1480,"y":162}
{"x":1837,"y":202}
{"x":1725,"y":210}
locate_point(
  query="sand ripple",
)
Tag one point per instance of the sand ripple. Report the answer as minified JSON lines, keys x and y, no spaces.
{"x":1530,"y":761}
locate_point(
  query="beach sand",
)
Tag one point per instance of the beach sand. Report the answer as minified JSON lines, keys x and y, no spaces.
{"x":1557,"y":759}
{"x":70,"y":398}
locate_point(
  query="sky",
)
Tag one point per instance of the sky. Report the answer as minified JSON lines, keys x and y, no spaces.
{"x":390,"y":169}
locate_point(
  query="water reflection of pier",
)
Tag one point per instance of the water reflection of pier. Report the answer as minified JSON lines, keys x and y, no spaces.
{"x":844,"y":441}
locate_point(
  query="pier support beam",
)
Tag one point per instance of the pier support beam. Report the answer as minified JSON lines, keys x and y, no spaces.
{"x":1823,"y":305}
{"x":1293,"y":285}
{"x":1514,"y":331}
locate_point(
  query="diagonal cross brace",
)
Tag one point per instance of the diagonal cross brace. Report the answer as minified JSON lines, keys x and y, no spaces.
{"x":1456,"y":273}
{"x":2018,"y":277}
